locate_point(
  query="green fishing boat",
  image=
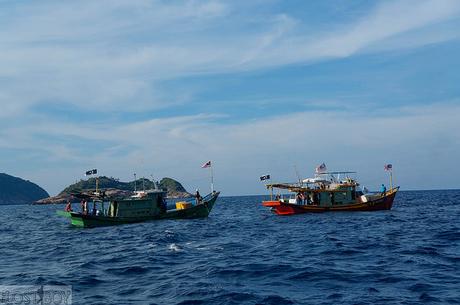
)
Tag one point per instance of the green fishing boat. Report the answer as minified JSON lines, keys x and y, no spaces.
{"x":142,"y":206}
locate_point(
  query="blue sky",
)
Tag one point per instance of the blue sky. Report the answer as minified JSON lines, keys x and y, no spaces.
{"x":159,"y":87}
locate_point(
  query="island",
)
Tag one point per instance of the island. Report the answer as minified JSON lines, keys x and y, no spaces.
{"x":114,"y":188}
{"x":14,"y":190}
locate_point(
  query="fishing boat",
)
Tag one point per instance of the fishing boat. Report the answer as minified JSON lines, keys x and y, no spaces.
{"x":142,"y":206}
{"x":327,"y":192}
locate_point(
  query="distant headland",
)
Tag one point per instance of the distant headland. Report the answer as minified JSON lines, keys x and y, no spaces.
{"x":115,"y":188}
{"x":14,"y":190}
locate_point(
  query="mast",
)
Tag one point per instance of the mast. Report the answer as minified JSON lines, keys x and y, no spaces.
{"x":154,"y":182}
{"x":298,"y":176}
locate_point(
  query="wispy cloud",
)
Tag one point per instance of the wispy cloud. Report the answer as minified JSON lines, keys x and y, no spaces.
{"x":102,"y":54}
{"x":116,"y":56}
{"x":176,"y":146}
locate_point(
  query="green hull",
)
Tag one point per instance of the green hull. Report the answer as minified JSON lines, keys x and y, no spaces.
{"x":197,"y":211}
{"x":63,"y":213}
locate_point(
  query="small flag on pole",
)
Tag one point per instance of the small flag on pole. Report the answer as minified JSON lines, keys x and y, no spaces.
{"x":91,"y":172}
{"x":388,"y":167}
{"x":320,"y":168}
{"x":264,"y":177}
{"x":206,"y":165}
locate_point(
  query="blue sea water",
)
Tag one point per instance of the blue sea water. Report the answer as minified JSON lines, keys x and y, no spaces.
{"x":243,"y":254}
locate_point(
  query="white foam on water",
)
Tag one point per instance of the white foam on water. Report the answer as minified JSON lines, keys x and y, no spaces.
{"x":174,"y":247}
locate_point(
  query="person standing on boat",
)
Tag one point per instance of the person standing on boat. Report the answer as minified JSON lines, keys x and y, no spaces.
{"x":68,"y":206}
{"x":298,"y":198}
{"x":85,"y":207}
{"x":94,"y":208}
{"x":383,"y":189}
{"x":303,"y":197}
{"x":163,"y":205}
{"x":198,"y":196}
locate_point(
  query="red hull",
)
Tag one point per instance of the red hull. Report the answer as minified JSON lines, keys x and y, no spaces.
{"x":383,"y":203}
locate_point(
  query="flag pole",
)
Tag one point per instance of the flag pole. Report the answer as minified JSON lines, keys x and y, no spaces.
{"x":391,"y":179}
{"x":212,"y":178}
{"x":271,"y":189}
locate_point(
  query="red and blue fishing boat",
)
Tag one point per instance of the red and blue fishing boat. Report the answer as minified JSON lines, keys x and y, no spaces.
{"x":327,"y":192}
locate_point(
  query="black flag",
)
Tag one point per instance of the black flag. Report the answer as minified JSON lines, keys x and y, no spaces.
{"x":91,"y":172}
{"x":265,"y":177}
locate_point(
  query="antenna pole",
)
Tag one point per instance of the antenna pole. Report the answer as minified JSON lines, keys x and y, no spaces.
{"x":298,"y":176}
{"x":154,"y":182}
{"x":135,"y":183}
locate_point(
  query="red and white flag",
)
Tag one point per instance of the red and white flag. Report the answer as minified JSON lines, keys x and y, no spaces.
{"x":320,"y":168}
{"x":206,"y":165}
{"x":388,"y":167}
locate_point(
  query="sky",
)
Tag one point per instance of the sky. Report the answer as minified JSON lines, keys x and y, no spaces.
{"x":157,"y":88}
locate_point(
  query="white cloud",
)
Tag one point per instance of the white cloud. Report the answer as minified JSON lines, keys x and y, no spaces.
{"x":391,"y":19}
{"x":105,"y":54}
{"x":111,"y":56}
{"x":387,"y":20}
{"x":422,"y":138}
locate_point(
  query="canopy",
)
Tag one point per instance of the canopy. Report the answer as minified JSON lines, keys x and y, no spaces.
{"x":315,"y":180}
{"x":334,"y":173}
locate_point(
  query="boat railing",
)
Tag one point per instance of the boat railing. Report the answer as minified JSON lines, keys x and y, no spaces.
{"x":207,"y":197}
{"x":377,"y":194}
{"x":192,"y":200}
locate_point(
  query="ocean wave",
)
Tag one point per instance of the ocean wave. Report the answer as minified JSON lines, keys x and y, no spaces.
{"x":408,"y":255}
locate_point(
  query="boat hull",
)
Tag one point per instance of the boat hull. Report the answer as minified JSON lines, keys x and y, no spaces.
{"x":198,"y":211}
{"x":381,"y":203}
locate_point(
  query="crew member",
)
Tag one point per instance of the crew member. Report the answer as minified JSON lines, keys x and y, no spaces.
{"x":85,"y":207}
{"x":198,"y":197}
{"x":68,"y":207}
{"x":298,"y":198}
{"x":383,"y":189}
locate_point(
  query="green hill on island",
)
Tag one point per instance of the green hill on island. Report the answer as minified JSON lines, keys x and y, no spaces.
{"x":14,"y":190}
{"x":167,"y":184}
{"x":118,"y":188}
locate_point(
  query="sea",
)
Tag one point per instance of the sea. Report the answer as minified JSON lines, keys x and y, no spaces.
{"x":244,"y":254}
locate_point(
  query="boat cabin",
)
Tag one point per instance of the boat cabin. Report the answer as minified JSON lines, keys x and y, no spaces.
{"x":144,"y":203}
{"x":325,"y":190}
